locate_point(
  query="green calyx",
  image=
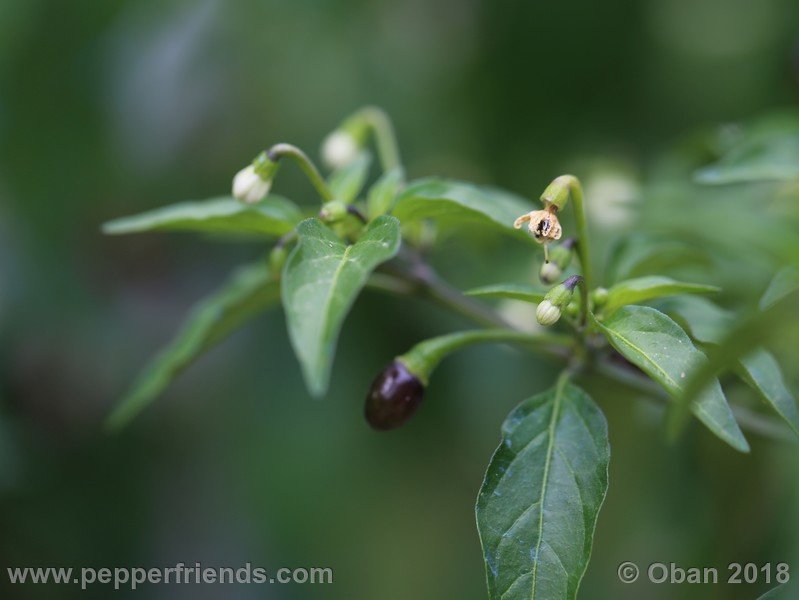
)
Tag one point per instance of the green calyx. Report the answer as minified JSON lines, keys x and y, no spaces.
{"x":265,"y":167}
{"x":333,"y":212}
{"x":560,"y":295}
{"x":557,"y":193}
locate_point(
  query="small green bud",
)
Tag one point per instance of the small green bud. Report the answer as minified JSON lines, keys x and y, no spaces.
{"x":277,"y":258}
{"x":558,"y":192}
{"x":546,"y":313}
{"x":559,"y":260}
{"x":550,"y":271}
{"x":599,"y":296}
{"x":558,"y":298}
{"x":333,"y":211}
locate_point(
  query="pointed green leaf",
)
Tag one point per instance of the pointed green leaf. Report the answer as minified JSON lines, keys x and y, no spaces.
{"x":538,"y":506}
{"x":659,"y":347}
{"x":641,"y":289}
{"x":347,"y":182}
{"x":638,"y":254}
{"x":704,"y":320}
{"x":767,"y":150}
{"x":249,"y":292}
{"x":762,"y":371}
{"x":274,"y":216}
{"x":513,"y":291}
{"x":383,"y":193}
{"x":321,"y":279}
{"x":455,"y":202}
{"x":786,"y":281}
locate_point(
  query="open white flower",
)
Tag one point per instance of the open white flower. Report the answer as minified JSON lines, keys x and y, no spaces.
{"x":249,"y":186}
{"x":339,"y":149}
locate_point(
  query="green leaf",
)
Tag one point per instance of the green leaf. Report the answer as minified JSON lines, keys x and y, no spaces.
{"x":456,"y":202}
{"x":383,"y":193}
{"x":321,"y":279}
{"x":638,"y":254}
{"x":659,"y":347}
{"x":538,"y":506}
{"x":785,"y":282}
{"x":762,"y":371}
{"x":704,"y":320}
{"x":777,"y":593}
{"x":249,"y":292}
{"x":641,"y":289}
{"x":347,"y":182}
{"x":274,"y":216}
{"x":513,"y":291}
{"x":766,"y":151}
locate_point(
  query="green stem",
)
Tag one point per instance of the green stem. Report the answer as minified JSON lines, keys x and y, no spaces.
{"x":278,"y":151}
{"x":555,"y":194}
{"x":385,"y":138}
{"x":424,"y":357}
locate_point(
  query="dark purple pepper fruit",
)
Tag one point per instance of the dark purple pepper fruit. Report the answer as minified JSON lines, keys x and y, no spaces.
{"x":394,"y":396}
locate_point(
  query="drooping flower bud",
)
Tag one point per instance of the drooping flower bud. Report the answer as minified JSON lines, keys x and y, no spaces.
{"x":249,"y":187}
{"x":549,"y":309}
{"x":394,"y":396}
{"x":253,"y":182}
{"x":559,"y":259}
{"x":342,"y":146}
{"x":339,"y":149}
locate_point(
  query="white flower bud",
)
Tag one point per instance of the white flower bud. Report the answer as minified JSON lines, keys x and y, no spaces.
{"x":250,"y":187}
{"x":339,"y":149}
{"x":547,"y":313}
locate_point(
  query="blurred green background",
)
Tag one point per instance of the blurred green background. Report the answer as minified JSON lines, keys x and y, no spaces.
{"x":111,"y":108}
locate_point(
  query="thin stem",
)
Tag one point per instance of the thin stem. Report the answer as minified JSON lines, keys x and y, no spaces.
{"x":425,"y":356}
{"x":427,"y":283}
{"x":385,"y":138}
{"x":583,"y":253}
{"x":278,"y":151}
{"x":583,"y":302}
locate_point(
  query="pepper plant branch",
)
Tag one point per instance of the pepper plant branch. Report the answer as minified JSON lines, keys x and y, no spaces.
{"x":278,"y":151}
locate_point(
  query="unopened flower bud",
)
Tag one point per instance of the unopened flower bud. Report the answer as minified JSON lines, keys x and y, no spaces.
{"x":394,"y":396}
{"x":547,"y":313}
{"x":549,"y":310}
{"x":333,"y":211}
{"x":339,"y":149}
{"x":249,"y":187}
{"x":599,"y":296}
{"x":254,"y":181}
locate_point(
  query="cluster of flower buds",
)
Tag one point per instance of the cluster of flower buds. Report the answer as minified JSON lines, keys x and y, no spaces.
{"x":550,"y":308}
{"x":253,"y":182}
